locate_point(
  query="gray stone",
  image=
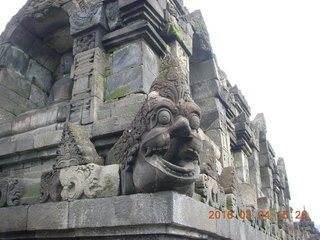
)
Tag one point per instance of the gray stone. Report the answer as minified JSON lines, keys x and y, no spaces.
{"x":48,"y":216}
{"x":40,"y":76}
{"x":5,"y":129}
{"x":5,"y":116}
{"x":7,"y":146}
{"x":111,"y":126}
{"x":133,"y":80}
{"x":135,"y":54}
{"x":47,"y":139}
{"x":38,"y":97}
{"x":13,"y":219}
{"x":127,"y":105}
{"x":24,"y":143}
{"x":14,"y":81}
{"x":13,"y":102}
{"x":21,"y":124}
{"x":43,"y":117}
{"x":14,"y":58}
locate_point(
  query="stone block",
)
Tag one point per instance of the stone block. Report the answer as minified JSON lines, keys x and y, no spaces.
{"x":204,"y":89}
{"x":5,"y":129}
{"x":132,"y":80}
{"x":13,"y":58}
{"x":14,"y":81}
{"x":134,"y":209}
{"x":133,"y":55}
{"x":5,"y":116}
{"x":13,"y":219}
{"x":13,"y":102}
{"x":248,"y":195}
{"x":127,"y":57}
{"x":21,"y":124}
{"x":24,"y":143}
{"x":111,"y":125}
{"x":7,"y":146}
{"x":40,"y":76}
{"x":47,"y":139}
{"x":43,"y":117}
{"x":38,"y":97}
{"x":48,"y":216}
{"x":127,"y":105}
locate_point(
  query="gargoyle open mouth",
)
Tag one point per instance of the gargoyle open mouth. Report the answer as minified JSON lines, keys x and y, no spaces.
{"x":179,"y":163}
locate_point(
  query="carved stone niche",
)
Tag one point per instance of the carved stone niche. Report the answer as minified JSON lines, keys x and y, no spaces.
{"x":76,"y":148}
{"x":160,"y":150}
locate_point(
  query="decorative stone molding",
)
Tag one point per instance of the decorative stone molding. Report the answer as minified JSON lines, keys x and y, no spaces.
{"x":10,"y":192}
{"x":76,"y":148}
{"x":210,"y":191}
{"x":89,"y":181}
{"x":50,"y":186}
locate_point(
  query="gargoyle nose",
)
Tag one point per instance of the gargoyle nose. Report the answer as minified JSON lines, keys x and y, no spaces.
{"x":181,"y":128}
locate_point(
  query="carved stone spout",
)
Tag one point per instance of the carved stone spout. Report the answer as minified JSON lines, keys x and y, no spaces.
{"x":160,"y":149}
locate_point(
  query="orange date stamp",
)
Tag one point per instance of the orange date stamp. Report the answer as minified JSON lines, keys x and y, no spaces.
{"x":249,"y":215}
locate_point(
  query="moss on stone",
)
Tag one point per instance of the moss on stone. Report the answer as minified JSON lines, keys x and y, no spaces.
{"x":119,"y":92}
{"x":172,"y":29}
{"x":113,"y":49}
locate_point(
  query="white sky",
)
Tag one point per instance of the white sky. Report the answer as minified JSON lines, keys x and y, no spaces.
{"x":270,"y":49}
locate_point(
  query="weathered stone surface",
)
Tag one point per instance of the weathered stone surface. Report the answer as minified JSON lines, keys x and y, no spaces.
{"x":39,"y":76}
{"x":50,"y":186}
{"x":14,"y":58}
{"x":13,"y":219}
{"x":24,"y":143}
{"x":5,"y":129}
{"x":135,"y":54}
{"x":75,"y":148}
{"x":7,"y":146}
{"x":89,"y":181}
{"x":47,"y":139}
{"x":62,"y":88}
{"x":48,"y":216}
{"x":21,"y":124}
{"x":132,"y":80}
{"x":15,"y":82}
{"x":111,"y":126}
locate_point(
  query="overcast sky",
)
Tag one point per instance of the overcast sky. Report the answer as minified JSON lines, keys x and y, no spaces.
{"x":270,"y":49}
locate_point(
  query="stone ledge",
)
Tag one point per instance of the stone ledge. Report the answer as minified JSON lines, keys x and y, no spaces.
{"x":165,"y":213}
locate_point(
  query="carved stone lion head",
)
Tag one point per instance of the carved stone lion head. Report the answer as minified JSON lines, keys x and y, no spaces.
{"x":160,"y":149}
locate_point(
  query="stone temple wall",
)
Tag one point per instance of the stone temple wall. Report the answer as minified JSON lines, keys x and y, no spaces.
{"x":100,"y":130}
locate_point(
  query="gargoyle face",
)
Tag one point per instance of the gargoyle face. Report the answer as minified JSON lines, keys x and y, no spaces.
{"x":168,"y":157}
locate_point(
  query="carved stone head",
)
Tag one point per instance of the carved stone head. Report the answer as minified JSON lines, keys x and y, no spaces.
{"x":160,"y":150}
{"x":66,"y":63}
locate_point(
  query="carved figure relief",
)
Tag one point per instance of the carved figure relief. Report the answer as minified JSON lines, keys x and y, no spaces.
{"x":160,"y":149}
{"x":87,"y":17}
{"x":62,"y":88}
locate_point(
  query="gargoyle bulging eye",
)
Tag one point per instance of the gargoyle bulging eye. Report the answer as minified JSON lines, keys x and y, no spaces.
{"x":194,"y":121}
{"x":164,"y":117}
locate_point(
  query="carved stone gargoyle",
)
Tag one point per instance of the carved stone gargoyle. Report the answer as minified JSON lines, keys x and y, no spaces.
{"x":160,"y":149}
